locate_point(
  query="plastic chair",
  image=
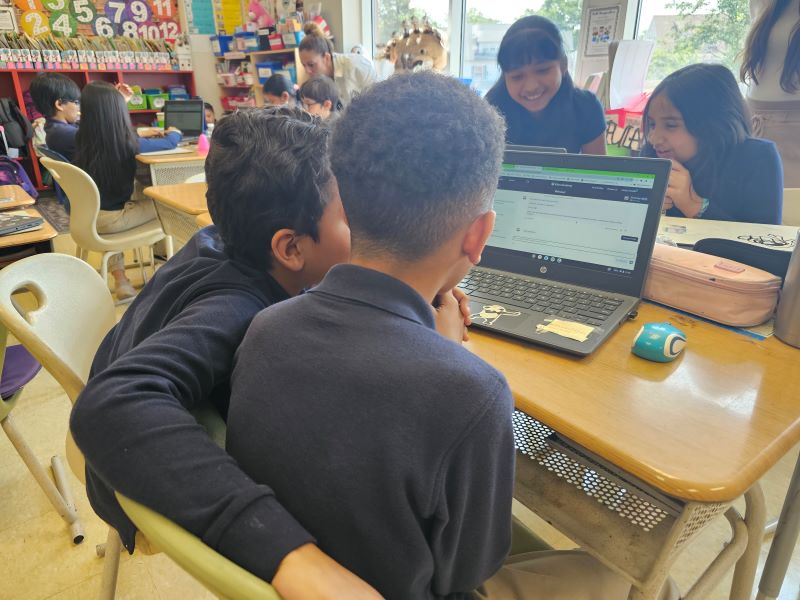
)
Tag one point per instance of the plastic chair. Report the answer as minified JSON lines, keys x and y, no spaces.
{"x":199,"y":178}
{"x":85,"y":201}
{"x":791,"y":206}
{"x":19,"y":367}
{"x":42,"y":150}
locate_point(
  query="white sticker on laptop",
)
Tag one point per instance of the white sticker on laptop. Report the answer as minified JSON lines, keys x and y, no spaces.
{"x":568,"y":329}
{"x":491,"y":312}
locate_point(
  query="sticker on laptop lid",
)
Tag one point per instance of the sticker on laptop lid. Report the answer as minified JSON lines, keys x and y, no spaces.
{"x":568,"y":329}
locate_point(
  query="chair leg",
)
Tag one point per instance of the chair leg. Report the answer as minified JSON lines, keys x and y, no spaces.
{"x":113,"y":548}
{"x":170,"y":248}
{"x":140,"y":256}
{"x":61,"y":499}
{"x":104,"y":265}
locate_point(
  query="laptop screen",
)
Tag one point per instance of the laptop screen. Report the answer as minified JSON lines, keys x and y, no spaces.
{"x":578,"y":219}
{"x":186,"y":115}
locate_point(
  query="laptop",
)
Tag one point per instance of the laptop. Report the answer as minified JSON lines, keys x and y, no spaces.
{"x":11,"y":222}
{"x":567,"y":260}
{"x":519,"y":148}
{"x":187,"y":115}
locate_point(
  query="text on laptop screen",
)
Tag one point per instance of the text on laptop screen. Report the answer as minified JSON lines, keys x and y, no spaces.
{"x":581,"y":217}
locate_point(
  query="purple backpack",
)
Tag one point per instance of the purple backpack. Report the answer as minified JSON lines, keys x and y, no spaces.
{"x":12,"y":173}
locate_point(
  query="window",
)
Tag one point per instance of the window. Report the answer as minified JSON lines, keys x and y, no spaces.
{"x":692,"y":31}
{"x":488,"y":20}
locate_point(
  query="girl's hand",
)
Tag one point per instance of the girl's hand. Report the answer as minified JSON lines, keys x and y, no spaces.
{"x":680,"y":192}
{"x":125,"y":90}
{"x":449,"y":316}
{"x":150,"y":132}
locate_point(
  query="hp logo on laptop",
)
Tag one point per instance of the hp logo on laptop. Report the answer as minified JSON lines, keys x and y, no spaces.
{"x":542,"y":269}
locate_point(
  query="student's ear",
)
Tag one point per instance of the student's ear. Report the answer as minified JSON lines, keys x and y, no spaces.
{"x":286,"y":250}
{"x":477,"y":235}
{"x":327,"y":105}
{"x":59,"y":105}
{"x":285,"y":97}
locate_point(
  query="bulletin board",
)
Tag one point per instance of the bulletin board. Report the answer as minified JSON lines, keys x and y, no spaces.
{"x":148,"y":19}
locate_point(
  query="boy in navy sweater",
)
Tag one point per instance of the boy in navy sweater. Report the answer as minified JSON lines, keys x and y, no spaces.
{"x":58,"y":98}
{"x":279,"y":226}
{"x":385,"y":438}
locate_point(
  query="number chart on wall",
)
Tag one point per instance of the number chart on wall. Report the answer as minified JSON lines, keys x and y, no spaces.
{"x":148,"y":19}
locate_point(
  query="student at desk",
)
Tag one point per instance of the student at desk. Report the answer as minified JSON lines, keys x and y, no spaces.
{"x":698,"y":119}
{"x":535,"y":93}
{"x":106,"y":148}
{"x":58,"y":98}
{"x":378,"y":431}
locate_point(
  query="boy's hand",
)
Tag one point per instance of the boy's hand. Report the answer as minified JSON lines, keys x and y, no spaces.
{"x":125,"y":90}
{"x":174,"y":129}
{"x":680,"y":191}
{"x":449,"y":316}
{"x":466,"y":311}
{"x":150,"y":132}
{"x":307,"y":573}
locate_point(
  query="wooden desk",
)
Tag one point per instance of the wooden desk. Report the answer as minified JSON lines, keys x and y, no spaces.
{"x":19,"y":197}
{"x":203,"y":219}
{"x":700,"y":229}
{"x":40,"y":236}
{"x":177,"y":206}
{"x":702,"y":429}
{"x":168,"y":169}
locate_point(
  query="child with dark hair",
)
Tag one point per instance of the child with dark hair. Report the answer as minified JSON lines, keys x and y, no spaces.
{"x":536,"y":95}
{"x":697,"y":118}
{"x":58,"y":98}
{"x":279,"y":91}
{"x":106,"y":148}
{"x":320,"y":97}
{"x":211,"y":116}
{"x":279,"y":226}
{"x":378,"y":431}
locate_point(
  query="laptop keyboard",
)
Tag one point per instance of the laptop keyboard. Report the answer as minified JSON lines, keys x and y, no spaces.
{"x":575,"y":305}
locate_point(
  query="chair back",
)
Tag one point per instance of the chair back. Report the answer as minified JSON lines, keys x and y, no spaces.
{"x":220,"y":575}
{"x":74,"y":312}
{"x":84,"y":200}
{"x":43,"y":151}
{"x":791,"y":207}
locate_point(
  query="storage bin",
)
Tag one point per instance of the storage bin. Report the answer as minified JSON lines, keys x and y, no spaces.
{"x":246,"y":41}
{"x":220,"y":44}
{"x":264,"y":70}
{"x":138,"y":100}
{"x":156,"y":101}
{"x":234,"y":102}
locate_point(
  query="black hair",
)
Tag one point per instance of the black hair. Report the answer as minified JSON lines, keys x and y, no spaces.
{"x":713,"y":110}
{"x":106,"y":144}
{"x":320,"y":88}
{"x":416,"y":157}
{"x":209,"y":106}
{"x":531,"y":40}
{"x":47,"y":88}
{"x":267,"y":170}
{"x":315,"y":40}
{"x":755,"y":48}
{"x":277,"y":84}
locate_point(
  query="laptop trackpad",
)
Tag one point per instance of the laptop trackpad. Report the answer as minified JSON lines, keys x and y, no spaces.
{"x":506,"y":317}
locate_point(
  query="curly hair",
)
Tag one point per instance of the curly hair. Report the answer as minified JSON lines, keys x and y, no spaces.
{"x":267,"y":170}
{"x":416,"y":157}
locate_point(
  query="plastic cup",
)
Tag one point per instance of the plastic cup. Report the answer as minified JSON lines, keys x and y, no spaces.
{"x":160,"y":119}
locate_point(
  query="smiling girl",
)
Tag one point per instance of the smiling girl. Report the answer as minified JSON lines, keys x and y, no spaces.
{"x":535,"y":93}
{"x":698,"y":119}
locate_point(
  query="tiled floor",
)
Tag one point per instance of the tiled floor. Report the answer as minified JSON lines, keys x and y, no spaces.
{"x":38,"y":560}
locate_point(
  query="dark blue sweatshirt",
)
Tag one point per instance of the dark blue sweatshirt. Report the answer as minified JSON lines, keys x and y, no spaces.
{"x":173,"y":351}
{"x":392,"y":444}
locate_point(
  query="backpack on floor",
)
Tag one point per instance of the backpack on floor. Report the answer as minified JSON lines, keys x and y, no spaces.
{"x":12,"y":173}
{"x":18,"y":129}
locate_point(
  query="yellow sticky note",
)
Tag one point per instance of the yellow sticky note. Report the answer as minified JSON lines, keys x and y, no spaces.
{"x":568,"y":329}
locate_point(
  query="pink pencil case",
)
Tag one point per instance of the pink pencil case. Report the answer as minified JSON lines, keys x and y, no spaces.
{"x":722,"y":290}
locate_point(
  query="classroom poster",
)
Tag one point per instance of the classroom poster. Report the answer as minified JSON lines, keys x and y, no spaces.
{"x":602,"y":30}
{"x":200,"y":17}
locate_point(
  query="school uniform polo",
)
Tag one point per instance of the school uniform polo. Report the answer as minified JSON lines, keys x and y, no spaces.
{"x":352,"y":74}
{"x":390,"y":443}
{"x":573,"y":118}
{"x":60,"y":137}
{"x":172,"y":352}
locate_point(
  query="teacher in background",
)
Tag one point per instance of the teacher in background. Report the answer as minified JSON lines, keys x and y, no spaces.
{"x":352,"y":73}
{"x":771,"y":67}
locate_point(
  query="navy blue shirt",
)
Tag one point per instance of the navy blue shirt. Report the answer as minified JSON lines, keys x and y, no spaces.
{"x":572,"y":118}
{"x":60,"y":136}
{"x":390,"y":443}
{"x":173,"y":351}
{"x":747,"y":188}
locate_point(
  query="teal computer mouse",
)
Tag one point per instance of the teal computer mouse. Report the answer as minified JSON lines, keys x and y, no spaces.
{"x":660,"y":342}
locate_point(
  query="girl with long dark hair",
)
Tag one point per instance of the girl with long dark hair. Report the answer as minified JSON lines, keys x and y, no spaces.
{"x":106,"y":148}
{"x":535,"y":93}
{"x":697,"y":118}
{"x":771,"y":66}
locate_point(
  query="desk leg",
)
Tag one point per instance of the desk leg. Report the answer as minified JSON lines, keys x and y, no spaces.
{"x":755,"y":517}
{"x":780,"y":553}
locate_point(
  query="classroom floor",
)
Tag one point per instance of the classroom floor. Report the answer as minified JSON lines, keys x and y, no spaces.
{"x":38,"y":561}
